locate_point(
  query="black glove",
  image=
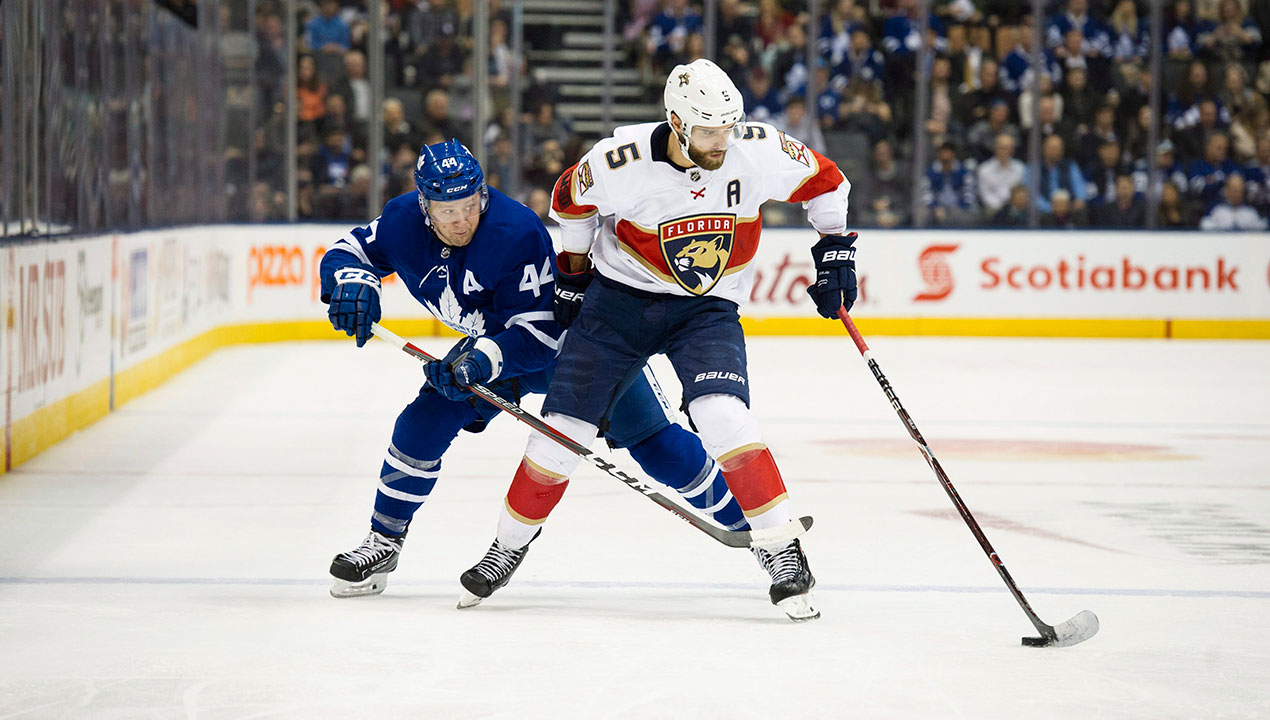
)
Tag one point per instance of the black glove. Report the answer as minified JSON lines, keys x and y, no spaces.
{"x":566,"y":299}
{"x":354,"y":303}
{"x":835,"y":274}
{"x":440,"y":373}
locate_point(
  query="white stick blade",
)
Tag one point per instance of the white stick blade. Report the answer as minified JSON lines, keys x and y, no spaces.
{"x":1077,"y":630}
{"x":781,"y":533}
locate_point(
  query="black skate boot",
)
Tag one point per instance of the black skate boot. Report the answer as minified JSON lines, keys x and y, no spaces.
{"x":364,"y":571}
{"x":792,"y":580}
{"x":492,"y":572}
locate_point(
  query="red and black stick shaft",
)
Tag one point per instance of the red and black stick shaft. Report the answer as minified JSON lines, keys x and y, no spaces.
{"x":1049,"y":636}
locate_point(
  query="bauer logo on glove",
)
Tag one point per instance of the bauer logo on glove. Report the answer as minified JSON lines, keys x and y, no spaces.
{"x":835,"y":284}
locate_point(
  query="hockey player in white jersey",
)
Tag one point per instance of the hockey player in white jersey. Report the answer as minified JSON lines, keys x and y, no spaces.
{"x":660,"y":223}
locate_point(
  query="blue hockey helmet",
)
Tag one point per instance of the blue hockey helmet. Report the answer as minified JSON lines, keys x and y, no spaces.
{"x":448,"y":171}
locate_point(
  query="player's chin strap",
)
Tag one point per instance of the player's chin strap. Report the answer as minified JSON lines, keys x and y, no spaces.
{"x":731,"y":538}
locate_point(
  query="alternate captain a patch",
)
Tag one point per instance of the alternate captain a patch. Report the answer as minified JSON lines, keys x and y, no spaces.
{"x":697,"y":248}
{"x":795,"y":150}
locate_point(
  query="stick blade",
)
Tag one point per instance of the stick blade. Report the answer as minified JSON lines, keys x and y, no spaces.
{"x":1071,"y":632}
{"x":781,"y":533}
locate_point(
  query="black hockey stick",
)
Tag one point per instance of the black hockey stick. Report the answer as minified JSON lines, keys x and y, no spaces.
{"x":731,"y":538}
{"x":1076,"y":630}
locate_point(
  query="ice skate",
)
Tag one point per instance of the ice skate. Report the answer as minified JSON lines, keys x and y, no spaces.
{"x":364,"y":571}
{"x":492,"y":572}
{"x":792,"y":581}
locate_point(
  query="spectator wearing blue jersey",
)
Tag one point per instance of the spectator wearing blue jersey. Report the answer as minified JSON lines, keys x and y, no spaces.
{"x":1059,"y":173}
{"x":1207,"y":175}
{"x":1182,"y":31}
{"x":327,"y":31}
{"x":1233,"y":213}
{"x":762,"y":101}
{"x":948,"y":189}
{"x":1016,"y":68}
{"x":1257,"y":175}
{"x":836,"y":29}
{"x":1104,"y":173}
{"x":1129,"y":38}
{"x":1077,"y":17}
{"x":1192,"y":141}
{"x":901,"y":32}
{"x":1171,"y":171}
{"x":671,"y":28}
{"x":1182,"y":110}
{"x":861,"y":61}
{"x":482,"y":264}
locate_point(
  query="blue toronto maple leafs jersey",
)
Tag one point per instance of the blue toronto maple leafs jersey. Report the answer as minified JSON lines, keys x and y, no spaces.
{"x":497,"y":286}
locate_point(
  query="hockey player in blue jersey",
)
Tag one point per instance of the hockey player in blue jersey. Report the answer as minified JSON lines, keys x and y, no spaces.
{"x":482,"y":264}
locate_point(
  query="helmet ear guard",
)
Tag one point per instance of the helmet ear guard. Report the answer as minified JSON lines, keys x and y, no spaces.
{"x":448,"y":171}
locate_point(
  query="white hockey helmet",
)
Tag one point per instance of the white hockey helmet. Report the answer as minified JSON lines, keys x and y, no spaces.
{"x":700,"y":93}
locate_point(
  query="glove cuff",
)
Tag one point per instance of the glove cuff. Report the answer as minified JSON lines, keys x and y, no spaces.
{"x":565,"y":260}
{"x":492,"y":351}
{"x":357,"y":274}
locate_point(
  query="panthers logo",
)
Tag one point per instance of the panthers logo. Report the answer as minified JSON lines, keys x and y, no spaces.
{"x":697,"y":250}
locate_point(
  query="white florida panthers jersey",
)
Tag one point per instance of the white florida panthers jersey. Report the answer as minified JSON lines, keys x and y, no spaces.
{"x":673,"y":231}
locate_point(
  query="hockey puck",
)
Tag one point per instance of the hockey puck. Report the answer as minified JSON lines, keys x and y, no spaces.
{"x":1035,"y":641}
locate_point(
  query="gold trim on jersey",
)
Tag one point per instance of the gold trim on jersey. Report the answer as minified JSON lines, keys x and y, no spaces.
{"x":815,"y":170}
{"x":642,"y":261}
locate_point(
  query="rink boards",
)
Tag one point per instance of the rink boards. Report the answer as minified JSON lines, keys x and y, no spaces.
{"x":92,"y":322}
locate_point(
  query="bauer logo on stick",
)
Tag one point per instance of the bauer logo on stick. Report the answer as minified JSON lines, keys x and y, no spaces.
{"x":697,"y":249}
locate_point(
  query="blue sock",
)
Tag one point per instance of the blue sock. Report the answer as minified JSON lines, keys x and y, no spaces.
{"x":674,"y":457}
{"x":404,"y":485}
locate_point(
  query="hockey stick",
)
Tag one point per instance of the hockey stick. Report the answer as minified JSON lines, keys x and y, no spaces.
{"x":731,"y":538}
{"x":1076,"y":630}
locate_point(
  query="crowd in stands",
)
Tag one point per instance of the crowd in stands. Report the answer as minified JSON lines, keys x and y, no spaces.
{"x":1091,"y":102}
{"x":429,"y":97}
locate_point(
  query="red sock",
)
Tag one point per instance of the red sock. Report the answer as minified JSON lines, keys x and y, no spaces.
{"x":529,"y":500}
{"x":756,"y":482}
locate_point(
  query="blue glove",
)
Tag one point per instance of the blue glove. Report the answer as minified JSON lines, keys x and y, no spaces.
{"x":566,"y":298}
{"x":473,"y":367}
{"x":354,"y":303}
{"x":440,"y":373}
{"x":835,"y":274}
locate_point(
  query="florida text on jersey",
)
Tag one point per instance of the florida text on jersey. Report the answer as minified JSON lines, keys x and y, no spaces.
{"x":689,"y":232}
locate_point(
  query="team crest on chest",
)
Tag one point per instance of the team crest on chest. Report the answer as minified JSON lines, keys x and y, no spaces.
{"x":697,"y":248}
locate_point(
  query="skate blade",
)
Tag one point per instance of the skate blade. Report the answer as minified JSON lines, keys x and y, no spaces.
{"x":372,"y":585}
{"x":468,"y":600}
{"x":799,"y":608}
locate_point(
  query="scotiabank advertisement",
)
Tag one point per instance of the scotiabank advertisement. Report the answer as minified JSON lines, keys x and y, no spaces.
{"x":1000,"y":274}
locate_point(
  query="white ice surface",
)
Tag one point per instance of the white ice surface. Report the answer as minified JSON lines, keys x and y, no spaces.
{"x":170,"y":561}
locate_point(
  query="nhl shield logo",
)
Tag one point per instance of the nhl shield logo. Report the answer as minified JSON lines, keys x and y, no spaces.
{"x":697,"y":249}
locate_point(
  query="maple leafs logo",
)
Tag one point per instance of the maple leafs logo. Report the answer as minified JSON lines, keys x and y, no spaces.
{"x":449,"y":311}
